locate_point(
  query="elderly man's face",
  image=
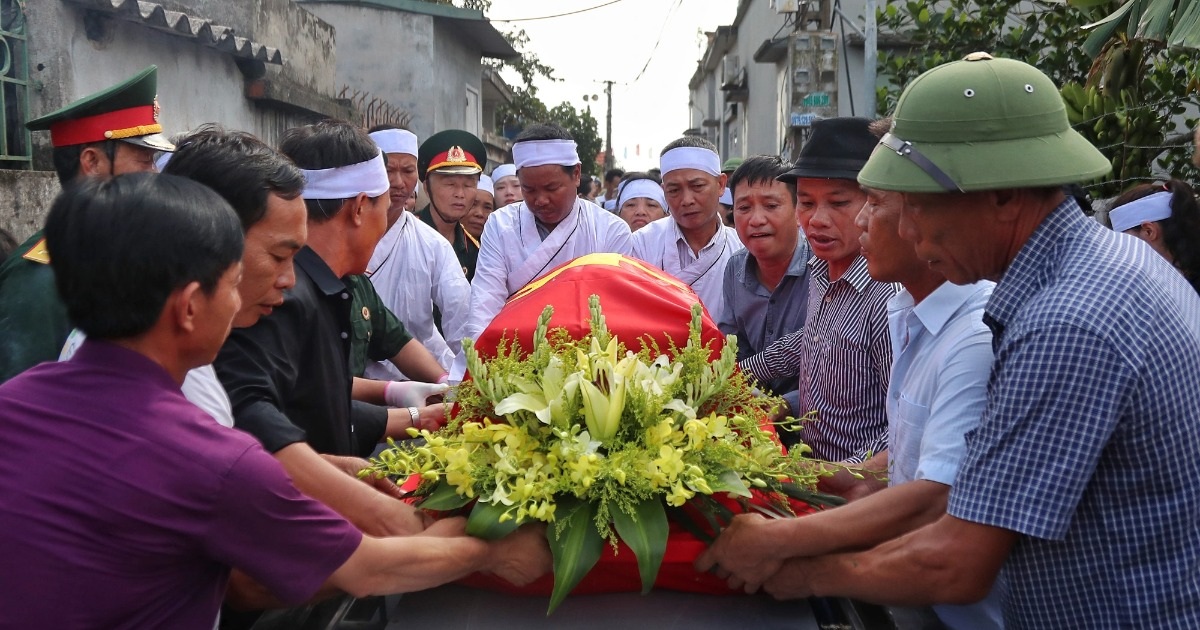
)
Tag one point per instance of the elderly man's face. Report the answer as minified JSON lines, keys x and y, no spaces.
{"x":957,"y":234}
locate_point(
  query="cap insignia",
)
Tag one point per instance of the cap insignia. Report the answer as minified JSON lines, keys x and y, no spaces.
{"x":157,"y":109}
{"x":456,"y":154}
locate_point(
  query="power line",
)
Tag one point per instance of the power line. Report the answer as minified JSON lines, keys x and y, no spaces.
{"x":547,"y":17}
{"x":658,"y":41}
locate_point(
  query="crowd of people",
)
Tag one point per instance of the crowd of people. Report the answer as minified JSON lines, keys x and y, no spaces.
{"x":196,"y":362}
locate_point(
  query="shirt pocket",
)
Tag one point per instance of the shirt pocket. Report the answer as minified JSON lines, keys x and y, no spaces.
{"x":905,"y":450}
{"x":845,"y":373}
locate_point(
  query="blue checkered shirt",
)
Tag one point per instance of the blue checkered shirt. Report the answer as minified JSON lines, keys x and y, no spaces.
{"x":1089,"y":447}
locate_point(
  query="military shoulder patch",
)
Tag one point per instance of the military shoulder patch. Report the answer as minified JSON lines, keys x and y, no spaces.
{"x":38,"y":253}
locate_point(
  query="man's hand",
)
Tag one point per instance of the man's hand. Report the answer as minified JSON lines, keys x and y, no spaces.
{"x":352,"y":465}
{"x":521,"y":557}
{"x":390,"y":517}
{"x":431,"y":417}
{"x":411,"y":393}
{"x":791,"y":581}
{"x":746,"y":553}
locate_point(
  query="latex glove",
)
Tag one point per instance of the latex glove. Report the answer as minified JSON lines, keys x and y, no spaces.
{"x":411,"y":393}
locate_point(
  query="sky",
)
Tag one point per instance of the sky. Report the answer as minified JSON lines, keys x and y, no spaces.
{"x":614,"y":43}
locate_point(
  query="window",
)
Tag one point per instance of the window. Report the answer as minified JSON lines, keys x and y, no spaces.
{"x":15,"y":151}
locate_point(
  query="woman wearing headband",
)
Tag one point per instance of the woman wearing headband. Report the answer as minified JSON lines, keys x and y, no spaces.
{"x":640,"y":200}
{"x":1167,"y":217}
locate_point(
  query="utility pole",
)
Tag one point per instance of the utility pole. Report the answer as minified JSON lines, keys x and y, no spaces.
{"x":608,"y":152}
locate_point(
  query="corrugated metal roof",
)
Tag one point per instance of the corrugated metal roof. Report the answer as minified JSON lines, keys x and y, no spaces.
{"x":198,"y":29}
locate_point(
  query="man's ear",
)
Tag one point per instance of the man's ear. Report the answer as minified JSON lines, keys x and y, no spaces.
{"x":1151,"y":231}
{"x":359,"y":205}
{"x":93,"y":161}
{"x":183,"y":305}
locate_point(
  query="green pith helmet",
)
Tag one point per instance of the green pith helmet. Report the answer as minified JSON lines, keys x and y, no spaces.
{"x":451,"y":152}
{"x":731,"y":165}
{"x":981,"y":124}
{"x":127,"y":111}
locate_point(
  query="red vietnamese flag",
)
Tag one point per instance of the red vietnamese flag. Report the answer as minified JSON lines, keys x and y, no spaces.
{"x":637,"y":299}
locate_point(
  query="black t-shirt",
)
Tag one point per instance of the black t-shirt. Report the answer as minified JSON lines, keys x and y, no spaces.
{"x":465,"y":247}
{"x":288,"y":376}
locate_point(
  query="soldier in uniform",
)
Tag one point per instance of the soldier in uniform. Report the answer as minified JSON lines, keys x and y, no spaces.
{"x":101,"y":135}
{"x":449,"y":163}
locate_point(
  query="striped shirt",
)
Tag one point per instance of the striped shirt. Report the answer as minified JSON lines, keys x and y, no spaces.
{"x":1087,"y":446}
{"x":843,"y":357}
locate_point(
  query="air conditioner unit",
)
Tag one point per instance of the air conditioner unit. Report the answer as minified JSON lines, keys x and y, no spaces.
{"x":731,"y":69}
{"x":785,"y":6}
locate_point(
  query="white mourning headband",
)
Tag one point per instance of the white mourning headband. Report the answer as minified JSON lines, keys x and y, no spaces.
{"x":1155,"y":207}
{"x":637,"y":188}
{"x":543,"y":152}
{"x":504,"y":170}
{"x":485,"y":183}
{"x":690,"y":157}
{"x":396,"y":141}
{"x":344,"y":182}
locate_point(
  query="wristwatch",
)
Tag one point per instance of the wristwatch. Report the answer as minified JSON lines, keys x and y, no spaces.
{"x":415,"y":414}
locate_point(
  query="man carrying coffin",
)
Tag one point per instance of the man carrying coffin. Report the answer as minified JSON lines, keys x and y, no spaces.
{"x":551,"y":226}
{"x":691,"y":243}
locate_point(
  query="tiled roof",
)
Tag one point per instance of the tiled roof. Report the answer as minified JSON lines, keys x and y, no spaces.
{"x":198,"y":29}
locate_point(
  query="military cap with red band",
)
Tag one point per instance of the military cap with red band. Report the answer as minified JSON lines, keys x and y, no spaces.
{"x":451,"y":152}
{"x":128,"y":111}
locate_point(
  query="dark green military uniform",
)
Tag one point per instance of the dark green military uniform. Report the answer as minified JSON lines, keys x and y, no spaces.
{"x":466,"y":248}
{"x":452,"y":152}
{"x":33,"y":319}
{"x":378,"y":334}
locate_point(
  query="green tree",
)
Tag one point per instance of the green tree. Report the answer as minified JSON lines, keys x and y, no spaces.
{"x":526,"y":108}
{"x":1125,"y":97}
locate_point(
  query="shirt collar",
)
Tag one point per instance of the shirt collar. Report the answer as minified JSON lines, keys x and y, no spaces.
{"x":124,"y":360}
{"x":716,"y":237}
{"x":856,"y":275}
{"x":940,"y":306}
{"x":320,"y":273}
{"x":1031,"y":270}
{"x":797,"y":267}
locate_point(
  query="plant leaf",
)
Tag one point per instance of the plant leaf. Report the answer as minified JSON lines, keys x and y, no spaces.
{"x":576,"y":551}
{"x":645,"y":531}
{"x":444,"y":497}
{"x":484,"y":521}
{"x":730,"y":482}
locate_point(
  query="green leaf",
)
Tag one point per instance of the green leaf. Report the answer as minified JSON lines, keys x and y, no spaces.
{"x":484,"y":521}
{"x":576,"y":551}
{"x":730,"y":482}
{"x":444,"y":497}
{"x":1086,"y":4}
{"x":645,"y":531}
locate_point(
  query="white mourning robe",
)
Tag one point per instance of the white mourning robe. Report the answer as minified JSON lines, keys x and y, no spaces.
{"x":662,"y":244}
{"x":414,"y":269}
{"x":512,"y":253}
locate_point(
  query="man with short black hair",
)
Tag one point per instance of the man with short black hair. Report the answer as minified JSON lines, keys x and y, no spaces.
{"x":691,"y":243}
{"x":612,"y":177}
{"x":144,"y":529}
{"x":101,"y":135}
{"x":549,"y":227}
{"x":766,"y":284}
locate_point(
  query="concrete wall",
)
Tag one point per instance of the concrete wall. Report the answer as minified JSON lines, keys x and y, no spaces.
{"x":410,"y":60}
{"x":25,"y":198}
{"x":761,"y":124}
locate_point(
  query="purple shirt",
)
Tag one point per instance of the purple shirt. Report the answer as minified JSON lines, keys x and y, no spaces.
{"x":122,"y":505}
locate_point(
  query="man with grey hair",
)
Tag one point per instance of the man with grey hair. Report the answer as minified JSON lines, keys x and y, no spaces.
{"x":1077,"y":489}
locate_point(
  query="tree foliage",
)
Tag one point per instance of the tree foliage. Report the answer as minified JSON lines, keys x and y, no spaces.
{"x":1128,"y":100}
{"x":526,"y":108}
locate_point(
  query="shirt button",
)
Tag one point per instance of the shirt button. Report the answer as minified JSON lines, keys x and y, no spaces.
{"x":345,"y":296}
{"x":770,"y":332}
{"x":345,"y":335}
{"x":828,"y":299}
